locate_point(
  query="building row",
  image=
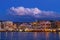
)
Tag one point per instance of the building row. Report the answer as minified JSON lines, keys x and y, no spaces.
{"x":9,"y":25}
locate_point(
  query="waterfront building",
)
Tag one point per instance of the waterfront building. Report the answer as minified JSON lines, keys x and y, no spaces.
{"x":35,"y":25}
{"x":45,"y":24}
{"x":23,"y":26}
{"x":53,"y":24}
{"x":15,"y":27}
{"x":0,"y":25}
{"x":7,"y":25}
{"x":58,"y":24}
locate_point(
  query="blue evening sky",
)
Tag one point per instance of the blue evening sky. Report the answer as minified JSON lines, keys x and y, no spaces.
{"x":50,"y":5}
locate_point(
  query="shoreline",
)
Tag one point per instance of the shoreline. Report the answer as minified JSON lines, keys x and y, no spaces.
{"x":47,"y":30}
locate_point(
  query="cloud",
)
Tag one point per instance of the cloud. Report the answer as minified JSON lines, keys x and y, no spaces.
{"x":25,"y":11}
{"x":32,"y":11}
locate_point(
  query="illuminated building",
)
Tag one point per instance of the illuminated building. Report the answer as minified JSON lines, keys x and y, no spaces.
{"x":58,"y":24}
{"x":15,"y":27}
{"x":0,"y":25}
{"x":22,"y":26}
{"x":45,"y":24}
{"x":7,"y":25}
{"x":35,"y":25}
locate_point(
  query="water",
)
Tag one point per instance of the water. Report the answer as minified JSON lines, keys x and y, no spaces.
{"x":29,"y":35}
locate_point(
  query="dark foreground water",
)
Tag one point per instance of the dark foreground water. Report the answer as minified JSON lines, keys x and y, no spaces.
{"x":29,"y":35}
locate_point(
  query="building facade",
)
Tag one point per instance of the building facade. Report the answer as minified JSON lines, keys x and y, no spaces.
{"x":45,"y":24}
{"x":0,"y":25}
{"x":8,"y":25}
{"x":58,"y":24}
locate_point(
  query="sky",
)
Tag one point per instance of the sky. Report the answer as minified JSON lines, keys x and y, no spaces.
{"x":46,"y":6}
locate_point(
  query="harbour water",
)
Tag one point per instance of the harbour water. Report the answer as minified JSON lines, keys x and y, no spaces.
{"x":29,"y":35}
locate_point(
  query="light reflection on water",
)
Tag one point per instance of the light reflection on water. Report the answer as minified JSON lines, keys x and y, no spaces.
{"x":29,"y":35}
{"x":59,"y":35}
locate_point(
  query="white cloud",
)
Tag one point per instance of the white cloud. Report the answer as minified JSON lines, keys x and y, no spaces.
{"x":31,"y":11}
{"x":24,"y":11}
{"x":18,"y":10}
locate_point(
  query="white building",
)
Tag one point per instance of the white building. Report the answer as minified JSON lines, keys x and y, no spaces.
{"x":7,"y":24}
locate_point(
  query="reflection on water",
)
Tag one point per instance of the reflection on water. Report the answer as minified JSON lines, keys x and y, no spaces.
{"x":47,"y":35}
{"x":29,"y":35}
{"x":59,"y":35}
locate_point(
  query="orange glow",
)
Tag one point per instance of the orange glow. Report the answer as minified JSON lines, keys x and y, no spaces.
{"x":47,"y":35}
